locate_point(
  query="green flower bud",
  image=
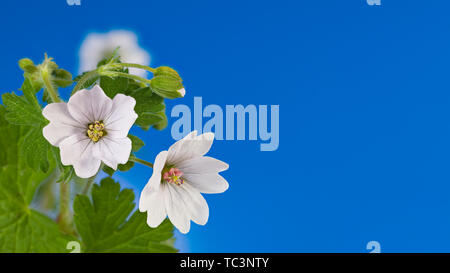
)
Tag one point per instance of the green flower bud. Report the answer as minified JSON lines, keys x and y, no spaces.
{"x":61,"y":77}
{"x":167,"y":71}
{"x":167,"y":86}
{"x":27,"y":65}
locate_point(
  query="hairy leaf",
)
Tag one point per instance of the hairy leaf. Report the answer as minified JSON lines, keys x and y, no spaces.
{"x":163,"y":123}
{"x":22,"y":229}
{"x":114,"y":86}
{"x":105,"y":224}
{"x":25,"y":110}
{"x":136,"y":143}
{"x":22,"y":112}
{"x":34,"y":148}
{"x":149,"y":107}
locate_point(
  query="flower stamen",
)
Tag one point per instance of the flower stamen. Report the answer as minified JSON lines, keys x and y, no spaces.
{"x":173,"y":176}
{"x":96,"y":130}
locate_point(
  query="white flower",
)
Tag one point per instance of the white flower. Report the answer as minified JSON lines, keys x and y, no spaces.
{"x":97,"y":46}
{"x":91,"y":128}
{"x":179,"y":176}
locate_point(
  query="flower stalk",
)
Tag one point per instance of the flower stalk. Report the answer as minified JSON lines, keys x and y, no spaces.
{"x":49,"y":86}
{"x":125,"y":75}
{"x":86,"y":77}
{"x":140,"y":66}
{"x":141,"y":161}
{"x":65,"y":217}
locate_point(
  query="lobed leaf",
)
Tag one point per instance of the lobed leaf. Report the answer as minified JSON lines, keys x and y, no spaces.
{"x":136,"y":143}
{"x":103,"y":226}
{"x":21,"y":112}
{"x":22,"y":229}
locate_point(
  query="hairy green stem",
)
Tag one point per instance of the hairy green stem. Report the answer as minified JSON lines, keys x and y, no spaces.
{"x":49,"y":86}
{"x":129,"y":76}
{"x":140,"y":66}
{"x":86,"y":77}
{"x":141,"y":161}
{"x":64,"y":217}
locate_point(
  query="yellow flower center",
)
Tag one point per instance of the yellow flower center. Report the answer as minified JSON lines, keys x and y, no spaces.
{"x":96,"y":130}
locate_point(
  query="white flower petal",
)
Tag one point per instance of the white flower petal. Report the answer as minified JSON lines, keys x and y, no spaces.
{"x":176,"y":150}
{"x":189,"y":147}
{"x":160,"y":162}
{"x":146,"y":194}
{"x":194,"y":203}
{"x":59,"y":113}
{"x":77,"y":150}
{"x":202,"y":164}
{"x":62,"y":125}
{"x":207,"y":183}
{"x":87,"y":106}
{"x":155,"y":181}
{"x":157,"y":213}
{"x":122,"y":116}
{"x":113,"y":151}
{"x":73,"y":147}
{"x":87,"y":166}
{"x":56,"y":133}
{"x":153,"y":202}
{"x":177,"y":212}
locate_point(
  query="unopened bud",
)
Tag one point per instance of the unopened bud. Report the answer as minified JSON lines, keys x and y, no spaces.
{"x":27,"y":65}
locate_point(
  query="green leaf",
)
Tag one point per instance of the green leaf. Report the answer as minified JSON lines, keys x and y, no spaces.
{"x":149,"y":107}
{"x":25,"y":110}
{"x":114,"y":86}
{"x":147,"y":101}
{"x":136,"y":143}
{"x":121,"y":167}
{"x":20,"y":111}
{"x":108,"y":170}
{"x":126,"y":167}
{"x":8,"y":140}
{"x":162,"y":124}
{"x":22,"y":229}
{"x":147,"y":119}
{"x":103,"y":225}
{"x":34,"y":147}
{"x":29,"y":91}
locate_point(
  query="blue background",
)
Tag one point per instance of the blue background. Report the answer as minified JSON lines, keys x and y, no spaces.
{"x":364,"y":111}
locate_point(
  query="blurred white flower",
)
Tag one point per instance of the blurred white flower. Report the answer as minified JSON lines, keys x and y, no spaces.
{"x":91,"y":128}
{"x":97,"y":46}
{"x":179,"y":176}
